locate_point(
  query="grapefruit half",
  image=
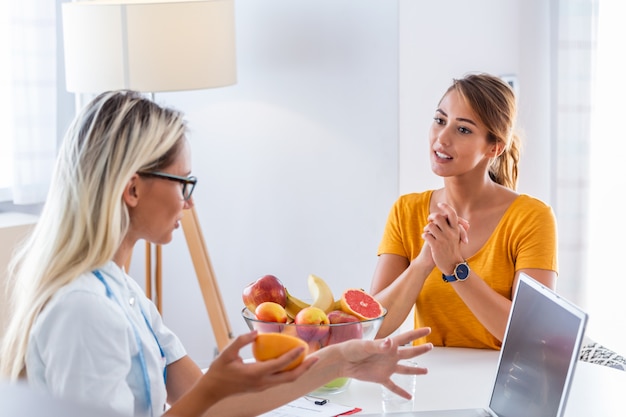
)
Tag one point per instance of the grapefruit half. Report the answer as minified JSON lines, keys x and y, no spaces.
{"x":359,"y":303}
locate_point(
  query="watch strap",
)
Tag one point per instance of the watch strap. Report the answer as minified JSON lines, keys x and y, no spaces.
{"x":449,"y":278}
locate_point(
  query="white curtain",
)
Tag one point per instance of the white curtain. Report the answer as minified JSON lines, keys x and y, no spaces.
{"x":33,"y":92}
{"x":590,"y":145}
{"x":575,"y":44}
{"x":606,"y":284}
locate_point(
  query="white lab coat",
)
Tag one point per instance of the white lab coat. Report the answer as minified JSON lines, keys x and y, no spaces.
{"x":83,"y":346}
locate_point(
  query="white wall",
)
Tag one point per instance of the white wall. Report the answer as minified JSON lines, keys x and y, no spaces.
{"x":447,"y":39}
{"x":300,"y":161}
{"x":297,"y":163}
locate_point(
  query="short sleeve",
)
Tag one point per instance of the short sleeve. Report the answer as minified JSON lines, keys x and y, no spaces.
{"x":392,"y":236}
{"x":405,"y":224}
{"x":537,"y":237}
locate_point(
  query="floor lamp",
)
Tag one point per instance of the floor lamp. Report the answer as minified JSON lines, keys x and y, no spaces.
{"x":156,"y":46}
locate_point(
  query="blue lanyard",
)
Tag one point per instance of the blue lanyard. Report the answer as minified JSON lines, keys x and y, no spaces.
{"x":142,"y":358}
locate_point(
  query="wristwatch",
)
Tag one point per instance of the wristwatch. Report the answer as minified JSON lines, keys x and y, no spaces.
{"x":461,"y":272}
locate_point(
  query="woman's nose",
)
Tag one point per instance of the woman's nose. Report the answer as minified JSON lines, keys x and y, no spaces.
{"x":443,"y":136}
{"x":188,"y":203}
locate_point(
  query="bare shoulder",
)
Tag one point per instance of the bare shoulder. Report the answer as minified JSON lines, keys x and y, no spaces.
{"x":504,"y":196}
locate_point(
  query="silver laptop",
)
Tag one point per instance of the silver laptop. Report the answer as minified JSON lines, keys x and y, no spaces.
{"x":537,"y":360}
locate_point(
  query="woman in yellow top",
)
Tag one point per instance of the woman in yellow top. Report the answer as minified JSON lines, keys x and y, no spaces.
{"x":457,"y":252}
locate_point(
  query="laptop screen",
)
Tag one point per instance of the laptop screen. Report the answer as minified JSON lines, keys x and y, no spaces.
{"x":539,"y":354}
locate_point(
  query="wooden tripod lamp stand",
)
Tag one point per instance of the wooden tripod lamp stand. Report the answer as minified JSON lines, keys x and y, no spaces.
{"x":158,"y":46}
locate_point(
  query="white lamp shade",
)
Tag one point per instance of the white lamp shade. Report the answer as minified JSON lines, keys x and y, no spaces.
{"x":148,"y":46}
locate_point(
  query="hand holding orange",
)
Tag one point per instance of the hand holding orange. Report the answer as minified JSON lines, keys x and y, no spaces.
{"x":272,"y":345}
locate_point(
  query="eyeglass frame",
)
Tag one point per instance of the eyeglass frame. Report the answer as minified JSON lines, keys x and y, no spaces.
{"x":186,"y":181}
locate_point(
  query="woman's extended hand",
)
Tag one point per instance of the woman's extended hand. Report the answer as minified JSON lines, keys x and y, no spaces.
{"x":229,"y":374}
{"x":376,"y":360}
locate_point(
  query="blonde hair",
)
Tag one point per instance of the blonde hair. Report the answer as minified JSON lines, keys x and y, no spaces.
{"x":84,"y":218}
{"x":493,"y":101}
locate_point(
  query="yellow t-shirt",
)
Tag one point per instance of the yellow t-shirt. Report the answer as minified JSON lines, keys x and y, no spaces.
{"x":526,"y":237}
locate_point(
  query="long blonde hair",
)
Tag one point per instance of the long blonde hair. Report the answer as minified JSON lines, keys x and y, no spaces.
{"x":84,"y":218}
{"x":493,"y":101}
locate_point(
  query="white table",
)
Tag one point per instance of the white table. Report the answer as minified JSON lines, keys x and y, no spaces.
{"x":462,"y":378}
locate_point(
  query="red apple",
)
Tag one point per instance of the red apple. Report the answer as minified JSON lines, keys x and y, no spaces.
{"x":266,"y":288}
{"x":346,"y":327}
{"x":312,"y":323}
{"x":271,"y":311}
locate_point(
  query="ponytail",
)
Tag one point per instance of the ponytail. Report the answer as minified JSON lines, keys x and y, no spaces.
{"x":504,"y":169}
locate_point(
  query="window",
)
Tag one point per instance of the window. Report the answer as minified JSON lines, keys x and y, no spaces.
{"x":28,"y":99}
{"x":6,"y":116}
{"x":606,"y":284}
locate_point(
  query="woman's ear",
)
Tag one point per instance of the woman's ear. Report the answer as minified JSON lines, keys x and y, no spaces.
{"x":497,"y":149}
{"x":130,"y":194}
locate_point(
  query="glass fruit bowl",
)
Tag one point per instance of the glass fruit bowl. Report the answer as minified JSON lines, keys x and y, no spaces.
{"x":320,"y":336}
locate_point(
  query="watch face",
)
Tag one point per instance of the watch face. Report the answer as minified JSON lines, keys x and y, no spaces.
{"x":462,"y":271}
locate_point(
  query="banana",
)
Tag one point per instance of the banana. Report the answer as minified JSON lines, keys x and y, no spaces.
{"x":294,"y":305}
{"x":321,"y":293}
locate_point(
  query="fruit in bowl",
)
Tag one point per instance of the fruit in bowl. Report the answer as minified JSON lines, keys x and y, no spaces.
{"x":355,"y":315}
{"x":345,"y":332}
{"x":271,"y":311}
{"x":311,"y":324}
{"x":334,"y":333}
{"x":266,"y":288}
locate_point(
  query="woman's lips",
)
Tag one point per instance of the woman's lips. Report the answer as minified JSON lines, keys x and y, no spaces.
{"x":442,"y":155}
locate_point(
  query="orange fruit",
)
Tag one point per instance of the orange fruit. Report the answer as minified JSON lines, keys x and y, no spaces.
{"x":272,"y":345}
{"x":357,"y":302}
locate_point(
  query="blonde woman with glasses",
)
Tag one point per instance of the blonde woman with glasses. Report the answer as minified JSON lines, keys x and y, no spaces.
{"x":82,"y":329}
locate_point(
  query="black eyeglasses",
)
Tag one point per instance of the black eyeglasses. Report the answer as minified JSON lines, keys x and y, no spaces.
{"x":188,"y":183}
